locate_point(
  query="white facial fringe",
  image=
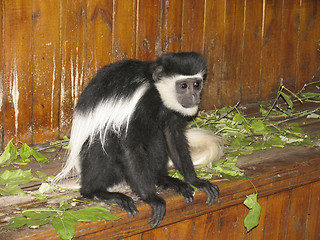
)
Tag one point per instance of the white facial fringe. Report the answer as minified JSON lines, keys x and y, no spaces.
{"x":167,"y":90}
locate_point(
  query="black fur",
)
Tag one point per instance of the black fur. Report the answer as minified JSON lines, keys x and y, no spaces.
{"x":139,"y":154}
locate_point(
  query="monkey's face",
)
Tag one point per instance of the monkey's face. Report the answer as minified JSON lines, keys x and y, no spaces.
{"x":188,"y":91}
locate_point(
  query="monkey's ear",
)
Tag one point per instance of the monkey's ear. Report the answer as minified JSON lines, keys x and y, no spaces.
{"x":157,"y":74}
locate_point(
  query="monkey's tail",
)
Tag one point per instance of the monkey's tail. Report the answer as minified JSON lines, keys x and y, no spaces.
{"x":205,"y":146}
{"x":69,"y":176}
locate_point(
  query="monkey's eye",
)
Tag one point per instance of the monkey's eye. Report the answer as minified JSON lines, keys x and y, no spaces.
{"x":184,"y":85}
{"x":196,"y":84}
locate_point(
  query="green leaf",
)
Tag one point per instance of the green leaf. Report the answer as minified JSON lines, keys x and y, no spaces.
{"x":238,"y":118}
{"x":10,"y":153}
{"x":258,"y":127}
{"x":12,"y":190}
{"x":42,"y":175}
{"x":90,"y":214}
{"x":64,"y":205}
{"x":16,"y":222}
{"x":275,"y":141}
{"x":252,"y":219}
{"x":287,"y":99}
{"x":21,"y":161}
{"x":64,"y":227}
{"x":39,"y":214}
{"x":39,"y":196}
{"x":33,"y":223}
{"x":50,"y":150}
{"x":227,"y":168}
{"x":39,"y":156}
{"x":16,"y":177}
{"x":25,"y":151}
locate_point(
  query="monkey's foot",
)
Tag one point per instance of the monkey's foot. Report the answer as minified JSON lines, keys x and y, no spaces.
{"x":158,"y":206}
{"x":210,"y":189}
{"x":126,"y":203}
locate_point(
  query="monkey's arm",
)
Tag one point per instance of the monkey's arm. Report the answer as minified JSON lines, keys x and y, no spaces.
{"x":179,"y":152}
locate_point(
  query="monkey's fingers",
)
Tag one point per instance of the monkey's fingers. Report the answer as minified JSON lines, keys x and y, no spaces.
{"x":128,"y":205}
{"x":159,"y":210}
{"x":210,"y":189}
{"x":212,"y":192}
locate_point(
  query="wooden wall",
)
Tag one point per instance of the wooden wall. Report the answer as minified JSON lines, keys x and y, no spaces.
{"x":51,"y":48}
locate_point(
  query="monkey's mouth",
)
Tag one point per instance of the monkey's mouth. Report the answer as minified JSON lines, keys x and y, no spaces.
{"x":190,"y":104}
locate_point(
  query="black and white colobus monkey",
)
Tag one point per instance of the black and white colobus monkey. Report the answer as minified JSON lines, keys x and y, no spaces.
{"x":128,"y":121}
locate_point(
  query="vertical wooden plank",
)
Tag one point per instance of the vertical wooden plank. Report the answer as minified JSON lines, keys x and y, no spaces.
{"x":207,"y":226}
{"x":202,"y":227}
{"x":1,"y":74}
{"x":275,"y":225}
{"x":251,"y":51}
{"x":308,"y":55}
{"x":134,"y":237}
{"x":213,"y":45}
{"x":289,"y":43}
{"x":149,"y":28}
{"x":46,"y":70}
{"x":258,"y":232}
{"x":270,"y":42}
{"x":231,"y":222}
{"x":313,"y":221}
{"x":232,"y":52}
{"x":124,"y":43}
{"x":73,"y":30}
{"x":171,"y":26}
{"x":18,"y":70}
{"x":297,"y":217}
{"x":193,"y":25}
{"x":99,"y":35}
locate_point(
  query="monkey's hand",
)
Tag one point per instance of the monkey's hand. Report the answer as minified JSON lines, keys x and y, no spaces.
{"x":158,"y":206}
{"x":210,"y":189}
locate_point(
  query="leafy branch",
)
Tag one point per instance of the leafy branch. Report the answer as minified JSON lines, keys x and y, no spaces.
{"x":63,"y":219}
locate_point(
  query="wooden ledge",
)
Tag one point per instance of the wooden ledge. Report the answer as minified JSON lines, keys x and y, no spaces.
{"x":288,"y":169}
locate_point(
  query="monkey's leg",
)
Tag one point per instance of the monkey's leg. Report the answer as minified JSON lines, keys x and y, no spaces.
{"x":99,"y":171}
{"x":141,"y":176}
{"x":179,"y":186}
{"x":126,"y":203}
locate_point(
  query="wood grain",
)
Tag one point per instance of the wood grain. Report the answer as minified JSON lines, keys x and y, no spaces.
{"x":99,"y":35}
{"x":299,"y":203}
{"x":269,"y":80}
{"x":193,"y":25}
{"x":232,"y":62}
{"x":289,"y":43}
{"x":313,"y":221}
{"x":149,"y":30}
{"x":231,"y":223}
{"x":17,"y":85}
{"x":308,"y":62}
{"x":276,"y":226}
{"x":73,"y":55}
{"x":46,"y":70}
{"x":171,"y":27}
{"x":213,"y":46}
{"x":124,"y":42}
{"x":251,"y":51}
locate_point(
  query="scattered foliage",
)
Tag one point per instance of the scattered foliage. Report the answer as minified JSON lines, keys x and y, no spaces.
{"x":63,"y":219}
{"x":10,"y":155}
